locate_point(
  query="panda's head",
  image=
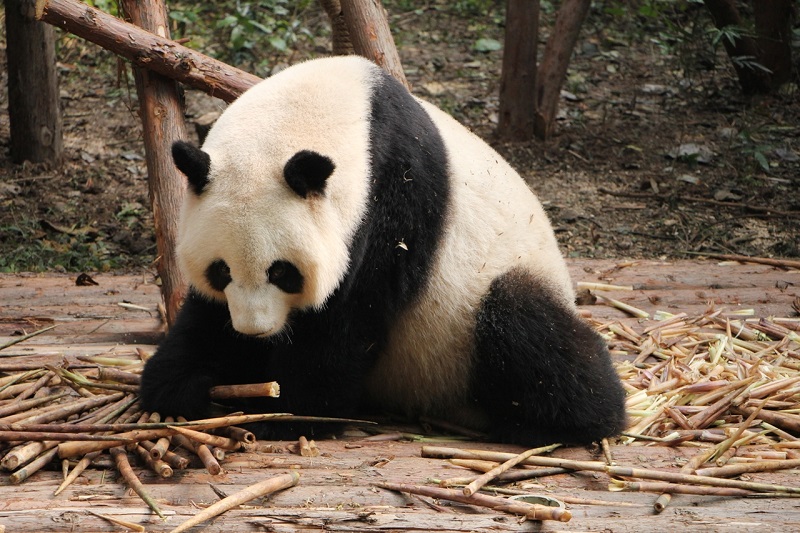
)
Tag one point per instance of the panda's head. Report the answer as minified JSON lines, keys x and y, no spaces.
{"x":277,"y":193}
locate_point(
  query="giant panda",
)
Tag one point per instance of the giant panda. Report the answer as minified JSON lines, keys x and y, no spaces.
{"x":362,"y":248}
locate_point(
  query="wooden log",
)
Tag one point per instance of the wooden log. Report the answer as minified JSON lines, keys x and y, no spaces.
{"x":369,"y":32}
{"x":145,"y":49}
{"x":161,"y":112}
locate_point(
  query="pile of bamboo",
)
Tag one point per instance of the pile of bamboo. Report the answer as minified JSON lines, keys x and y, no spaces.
{"x":76,"y":414}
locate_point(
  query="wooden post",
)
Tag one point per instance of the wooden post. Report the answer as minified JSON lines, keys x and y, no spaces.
{"x":145,"y":49}
{"x":161,"y":113}
{"x":371,"y":37}
{"x":518,"y":78}
{"x":34,"y":111}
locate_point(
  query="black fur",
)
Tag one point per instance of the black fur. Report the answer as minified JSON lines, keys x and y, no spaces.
{"x":194,"y":163}
{"x":542,"y":373}
{"x":307,"y":172}
{"x":218,"y":275}
{"x":322,"y":358}
{"x":285,"y":276}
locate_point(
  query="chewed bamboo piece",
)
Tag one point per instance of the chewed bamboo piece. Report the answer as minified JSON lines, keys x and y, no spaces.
{"x":270,"y":389}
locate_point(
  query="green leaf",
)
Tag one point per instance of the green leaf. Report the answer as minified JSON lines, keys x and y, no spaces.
{"x":487,"y":45}
{"x":278,"y":43}
{"x":762,"y":161}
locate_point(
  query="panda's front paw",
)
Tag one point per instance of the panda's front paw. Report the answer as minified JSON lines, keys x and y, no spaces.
{"x":187,"y":395}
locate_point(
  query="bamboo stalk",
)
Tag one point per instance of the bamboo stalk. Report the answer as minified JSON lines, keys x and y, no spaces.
{"x":674,"y":488}
{"x":225,"y":443}
{"x":202,"y":451}
{"x":258,"y":490}
{"x":76,"y":471}
{"x":125,"y":470}
{"x":176,"y":461}
{"x":528,"y":510}
{"x":30,"y":391}
{"x":474,"y":486}
{"x":782,"y":420}
{"x":27,"y":405}
{"x":24,"y":338}
{"x":622,"y":471}
{"x":156,"y":465}
{"x":34,"y":466}
{"x":746,"y":468}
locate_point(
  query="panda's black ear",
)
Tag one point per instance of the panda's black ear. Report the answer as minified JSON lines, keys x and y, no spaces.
{"x":194,"y":163}
{"x":307,"y":172}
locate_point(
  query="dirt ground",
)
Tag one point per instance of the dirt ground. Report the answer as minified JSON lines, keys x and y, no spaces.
{"x":657,"y":155}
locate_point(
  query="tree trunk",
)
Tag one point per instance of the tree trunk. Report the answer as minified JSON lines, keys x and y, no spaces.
{"x":342,"y":45}
{"x":770,"y":48}
{"x":34,"y":111}
{"x":518,"y":78}
{"x":369,"y":31}
{"x":161,"y":110}
{"x":773,"y":22}
{"x":555,"y":60}
{"x":157,"y":53}
{"x":725,"y":14}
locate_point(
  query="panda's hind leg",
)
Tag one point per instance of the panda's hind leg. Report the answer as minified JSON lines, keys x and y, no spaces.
{"x":542,"y":374}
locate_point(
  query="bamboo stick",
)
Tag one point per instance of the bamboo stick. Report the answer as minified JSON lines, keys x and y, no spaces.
{"x":528,"y":510}
{"x":745,"y":468}
{"x":268,"y":486}
{"x":622,"y":471}
{"x":34,"y":466}
{"x":225,"y":443}
{"x":176,"y":461}
{"x":76,"y":471}
{"x":156,"y":465}
{"x":25,"y":337}
{"x":474,"y":486}
{"x":125,"y":470}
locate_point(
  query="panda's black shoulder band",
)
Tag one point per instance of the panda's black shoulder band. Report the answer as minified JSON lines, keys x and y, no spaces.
{"x":194,"y":163}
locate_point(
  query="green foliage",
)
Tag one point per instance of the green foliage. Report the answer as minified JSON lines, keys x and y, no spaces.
{"x":51,"y":251}
{"x":242,"y":32}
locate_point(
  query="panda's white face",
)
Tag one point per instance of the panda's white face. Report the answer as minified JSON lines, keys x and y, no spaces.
{"x":268,"y":229}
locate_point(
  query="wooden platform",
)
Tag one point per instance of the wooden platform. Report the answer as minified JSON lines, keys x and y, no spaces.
{"x":335,"y":492}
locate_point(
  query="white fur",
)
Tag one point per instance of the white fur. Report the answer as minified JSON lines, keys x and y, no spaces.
{"x":249,"y":217}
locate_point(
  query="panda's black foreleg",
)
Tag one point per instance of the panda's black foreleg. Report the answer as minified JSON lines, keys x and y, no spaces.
{"x":200,"y":350}
{"x":543,"y":375}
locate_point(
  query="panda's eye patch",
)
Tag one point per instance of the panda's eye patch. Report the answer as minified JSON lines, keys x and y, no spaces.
{"x":285,"y":276}
{"x":218,"y":274}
